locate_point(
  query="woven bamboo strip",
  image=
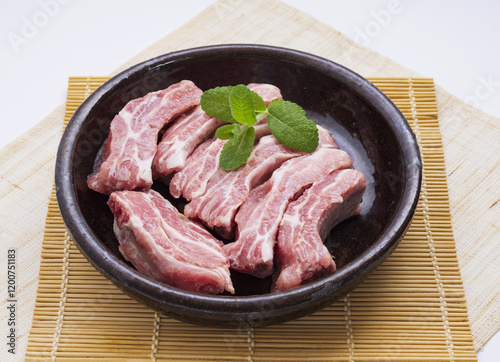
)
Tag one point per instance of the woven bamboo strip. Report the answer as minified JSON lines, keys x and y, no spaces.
{"x":412,"y":308}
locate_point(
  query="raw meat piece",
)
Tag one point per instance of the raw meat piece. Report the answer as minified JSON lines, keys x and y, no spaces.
{"x":326,"y":139}
{"x":124,"y":162}
{"x":301,"y":255}
{"x":180,"y":140}
{"x":166,"y":246}
{"x":191,"y":129}
{"x":267,"y":92}
{"x":259,"y":216}
{"x":226,"y":191}
{"x":192,"y":180}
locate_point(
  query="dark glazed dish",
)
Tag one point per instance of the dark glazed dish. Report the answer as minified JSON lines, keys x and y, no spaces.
{"x":365,"y":123}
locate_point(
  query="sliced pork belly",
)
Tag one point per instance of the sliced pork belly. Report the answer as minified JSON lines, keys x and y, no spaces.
{"x":226,"y":191}
{"x":166,"y":246}
{"x":261,"y":213}
{"x":124,"y":162}
{"x":193,"y":128}
{"x":300,"y":253}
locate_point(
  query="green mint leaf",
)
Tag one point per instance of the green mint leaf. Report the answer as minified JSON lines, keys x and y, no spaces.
{"x":237,"y":149}
{"x":289,"y":124}
{"x":226,"y":132}
{"x":215,"y":103}
{"x":242,"y":105}
{"x":260,"y":105}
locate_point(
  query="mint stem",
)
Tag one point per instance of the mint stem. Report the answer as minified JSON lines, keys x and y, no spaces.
{"x":261,"y":115}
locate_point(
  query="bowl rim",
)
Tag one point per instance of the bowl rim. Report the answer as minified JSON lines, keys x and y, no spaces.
{"x":112,"y":267}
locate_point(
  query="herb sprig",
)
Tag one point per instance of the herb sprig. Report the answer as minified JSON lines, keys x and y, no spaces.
{"x":242,"y":109}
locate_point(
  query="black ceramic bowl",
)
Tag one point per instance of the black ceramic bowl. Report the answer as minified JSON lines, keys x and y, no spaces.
{"x":364,"y":121}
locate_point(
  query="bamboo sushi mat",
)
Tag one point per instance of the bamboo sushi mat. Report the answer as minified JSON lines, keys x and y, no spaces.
{"x":412,"y":308}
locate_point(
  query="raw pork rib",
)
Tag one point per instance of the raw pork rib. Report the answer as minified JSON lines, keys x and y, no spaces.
{"x":191,"y":129}
{"x":124,"y":162}
{"x":166,"y":246}
{"x":192,"y":180}
{"x":300,"y":253}
{"x":259,"y":216}
{"x":267,"y":92}
{"x":226,"y":191}
{"x":180,"y":140}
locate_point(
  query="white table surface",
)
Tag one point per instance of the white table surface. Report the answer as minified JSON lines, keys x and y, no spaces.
{"x":43,"y":42}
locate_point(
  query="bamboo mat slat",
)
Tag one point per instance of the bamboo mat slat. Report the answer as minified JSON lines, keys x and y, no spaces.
{"x":412,"y":308}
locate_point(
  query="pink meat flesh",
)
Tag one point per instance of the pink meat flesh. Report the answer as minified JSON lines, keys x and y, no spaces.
{"x":267,"y":92}
{"x":178,"y":142}
{"x":226,"y":191}
{"x":166,"y":246}
{"x":260,"y":215}
{"x":192,"y":180}
{"x":300,"y":253}
{"x":124,"y":162}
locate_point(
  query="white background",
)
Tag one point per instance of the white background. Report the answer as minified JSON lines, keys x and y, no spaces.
{"x":43,"y":42}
